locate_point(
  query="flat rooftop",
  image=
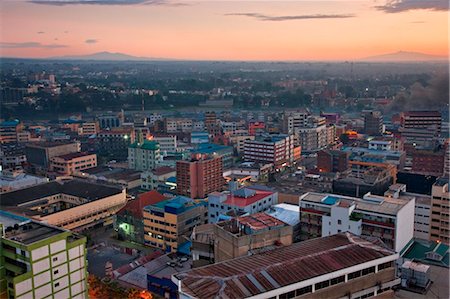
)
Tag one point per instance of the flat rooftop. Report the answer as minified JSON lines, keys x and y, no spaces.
{"x":48,"y":144}
{"x":9,"y":219}
{"x":260,"y":221}
{"x":374,"y":203}
{"x":78,"y":188}
{"x":31,"y":232}
{"x":256,"y":274}
{"x":157,"y":268}
{"x":74,"y":155}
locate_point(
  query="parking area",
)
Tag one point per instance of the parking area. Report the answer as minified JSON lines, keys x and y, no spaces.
{"x":103,"y":247}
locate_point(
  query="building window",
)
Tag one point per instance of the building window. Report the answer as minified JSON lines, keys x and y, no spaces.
{"x":337,"y":280}
{"x":288,"y":295}
{"x":55,"y":272}
{"x":339,"y":221}
{"x":368,"y":270}
{"x":303,"y":291}
{"x":354,"y":275}
{"x":384,"y":266}
{"x":321,"y":285}
{"x":55,"y":259}
{"x":56,"y":284}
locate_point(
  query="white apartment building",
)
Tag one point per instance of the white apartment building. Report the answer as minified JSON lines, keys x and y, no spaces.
{"x":143,"y":156}
{"x":390,"y":219}
{"x":167,"y":144}
{"x":422,"y":210}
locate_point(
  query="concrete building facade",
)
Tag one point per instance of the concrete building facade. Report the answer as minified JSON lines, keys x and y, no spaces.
{"x":43,"y":261}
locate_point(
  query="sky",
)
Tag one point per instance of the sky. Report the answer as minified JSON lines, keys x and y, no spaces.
{"x":224,"y":30}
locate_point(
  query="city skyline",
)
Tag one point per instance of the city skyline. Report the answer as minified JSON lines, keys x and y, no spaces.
{"x":223,"y":30}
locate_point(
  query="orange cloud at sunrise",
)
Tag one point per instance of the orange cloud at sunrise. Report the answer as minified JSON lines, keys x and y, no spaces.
{"x":222,"y":30}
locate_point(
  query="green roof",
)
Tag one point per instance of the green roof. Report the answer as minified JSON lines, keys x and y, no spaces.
{"x":418,"y":251}
{"x":147,"y":145}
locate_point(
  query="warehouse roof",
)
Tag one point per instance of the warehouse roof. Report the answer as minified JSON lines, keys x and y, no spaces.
{"x":78,"y":188}
{"x":252,"y":275}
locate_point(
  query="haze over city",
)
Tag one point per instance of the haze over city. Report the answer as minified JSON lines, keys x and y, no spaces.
{"x":224,"y":149}
{"x":224,"y":30}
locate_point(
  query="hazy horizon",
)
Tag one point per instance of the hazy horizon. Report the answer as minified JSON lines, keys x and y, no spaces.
{"x":223,"y":30}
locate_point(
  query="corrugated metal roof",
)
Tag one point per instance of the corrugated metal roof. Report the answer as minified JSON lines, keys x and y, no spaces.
{"x":260,"y":273}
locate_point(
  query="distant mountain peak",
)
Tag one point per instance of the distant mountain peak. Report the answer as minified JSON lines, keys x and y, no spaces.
{"x":405,"y":56}
{"x":105,"y":55}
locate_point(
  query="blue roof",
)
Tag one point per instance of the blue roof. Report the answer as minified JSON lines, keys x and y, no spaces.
{"x":172,"y":179}
{"x":209,"y":148}
{"x":330,"y":200}
{"x":72,"y":121}
{"x":185,"y":248}
{"x":10,"y":123}
{"x":364,"y":150}
{"x":175,"y":205}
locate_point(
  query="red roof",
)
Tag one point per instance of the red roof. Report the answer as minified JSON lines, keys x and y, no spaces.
{"x":136,"y":206}
{"x":260,"y":273}
{"x":260,"y":221}
{"x":234,"y":200}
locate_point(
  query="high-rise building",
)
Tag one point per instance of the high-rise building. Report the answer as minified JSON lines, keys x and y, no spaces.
{"x":440,"y":211}
{"x":373,"y":123}
{"x":200,"y":176}
{"x":143,"y":155}
{"x":167,"y":143}
{"x":114,"y":143}
{"x":430,"y":120}
{"x":293,"y":120}
{"x":41,"y":261}
{"x":276,"y":149}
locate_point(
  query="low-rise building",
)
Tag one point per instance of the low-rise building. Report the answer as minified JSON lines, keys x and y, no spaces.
{"x":129,"y":220}
{"x":39,"y":154}
{"x":122,"y":177}
{"x":42,"y":261}
{"x":73,"y":204}
{"x":243,"y":200}
{"x":246,"y":235}
{"x":338,"y":266}
{"x":15,"y":179}
{"x":74,"y":162}
{"x":168,"y":224}
{"x":153,"y":178}
{"x":390,"y":219}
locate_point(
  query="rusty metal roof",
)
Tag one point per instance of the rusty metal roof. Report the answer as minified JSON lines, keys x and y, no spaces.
{"x":251,"y":275}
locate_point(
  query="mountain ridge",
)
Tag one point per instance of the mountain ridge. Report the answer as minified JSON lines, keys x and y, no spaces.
{"x":106,"y":56}
{"x":404,"y":56}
